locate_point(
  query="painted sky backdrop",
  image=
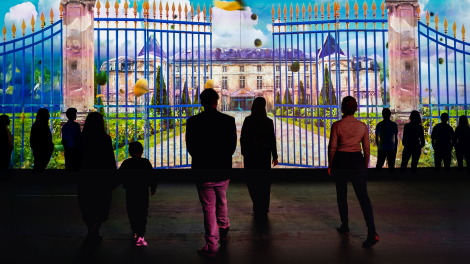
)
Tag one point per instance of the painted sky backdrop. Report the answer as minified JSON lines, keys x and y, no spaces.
{"x":226,"y":24}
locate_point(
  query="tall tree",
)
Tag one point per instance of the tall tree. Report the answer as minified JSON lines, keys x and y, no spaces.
{"x":287,"y":100}
{"x":325,"y":98}
{"x":161,"y":96}
{"x":185,"y":99}
{"x":98,"y":100}
{"x":278,"y":101}
{"x":300,"y":100}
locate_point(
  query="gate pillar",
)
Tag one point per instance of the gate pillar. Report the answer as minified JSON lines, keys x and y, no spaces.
{"x":78,"y":60}
{"x":403,"y":59}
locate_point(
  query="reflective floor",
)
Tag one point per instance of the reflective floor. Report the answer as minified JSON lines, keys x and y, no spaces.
{"x":420,"y":218}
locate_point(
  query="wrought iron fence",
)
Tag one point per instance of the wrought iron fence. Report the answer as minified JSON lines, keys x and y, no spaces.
{"x":336,"y":70}
{"x":31,"y":78}
{"x":166,"y":61}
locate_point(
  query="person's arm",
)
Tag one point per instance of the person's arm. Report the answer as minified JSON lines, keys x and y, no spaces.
{"x":233,"y":136}
{"x":243,"y":136}
{"x":433,"y":136}
{"x":421,"y":136}
{"x":366,"y":146}
{"x":405,"y":135}
{"x":273,"y":142}
{"x":332,"y":144}
{"x":377,"y":135}
{"x":188,"y":137}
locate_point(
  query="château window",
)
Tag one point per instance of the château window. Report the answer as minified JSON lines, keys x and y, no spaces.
{"x":224,"y":68}
{"x":289,"y":81}
{"x":278,"y":81}
{"x":309,"y":99}
{"x":306,"y":67}
{"x":242,"y":68}
{"x":177,"y":99}
{"x":307,"y":85}
{"x":278,"y":68}
{"x":207,"y":68}
{"x":242,"y":81}
{"x":258,"y":68}
{"x":177,"y":69}
{"x":177,"y":82}
{"x":195,"y":68}
{"x":259,"y":82}
{"x":224,"y":82}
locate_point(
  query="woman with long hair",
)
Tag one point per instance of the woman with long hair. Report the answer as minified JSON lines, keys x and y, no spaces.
{"x":97,"y":179}
{"x":462,"y":143}
{"x":258,"y":145}
{"x":41,"y":140}
{"x":348,"y":163}
{"x":413,"y":142}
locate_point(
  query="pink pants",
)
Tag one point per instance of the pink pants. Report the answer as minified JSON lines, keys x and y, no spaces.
{"x":214,"y":206}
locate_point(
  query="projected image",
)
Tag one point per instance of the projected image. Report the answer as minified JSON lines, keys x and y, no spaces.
{"x":148,"y":70}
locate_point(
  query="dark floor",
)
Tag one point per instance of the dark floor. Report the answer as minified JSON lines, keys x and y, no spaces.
{"x":421,"y":218}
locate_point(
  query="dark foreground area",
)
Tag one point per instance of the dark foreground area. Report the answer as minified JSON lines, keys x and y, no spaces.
{"x":421,"y":218}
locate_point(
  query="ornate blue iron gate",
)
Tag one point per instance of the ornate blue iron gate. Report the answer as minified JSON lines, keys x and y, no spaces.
{"x":307,"y":99}
{"x":443,"y":76}
{"x":30,"y":78}
{"x":167,"y":61}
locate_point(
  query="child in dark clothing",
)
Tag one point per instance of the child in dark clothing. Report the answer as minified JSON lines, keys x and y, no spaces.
{"x":137,"y":194}
{"x":71,"y":140}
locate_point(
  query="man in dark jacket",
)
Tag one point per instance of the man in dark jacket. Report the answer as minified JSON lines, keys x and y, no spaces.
{"x":442,"y":138}
{"x":211,"y":140}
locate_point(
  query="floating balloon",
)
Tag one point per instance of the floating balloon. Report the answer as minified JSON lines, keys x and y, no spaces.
{"x":141,"y":87}
{"x":175,"y":16}
{"x":295,"y":67}
{"x":254,"y":16}
{"x":17,"y":70}
{"x":258,"y":42}
{"x":432,"y":13}
{"x":172,"y":27}
{"x":441,"y":61}
{"x":209,"y":84}
{"x":9,"y":90}
{"x":102,"y":78}
{"x":230,"y":6}
{"x":122,"y":91}
{"x":99,"y":95}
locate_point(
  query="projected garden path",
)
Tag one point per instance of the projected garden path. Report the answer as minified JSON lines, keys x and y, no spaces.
{"x":297,"y":148}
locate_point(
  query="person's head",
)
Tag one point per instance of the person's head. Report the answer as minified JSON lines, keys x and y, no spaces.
{"x":136,"y":149}
{"x":415,"y":118}
{"x":209,"y":98}
{"x":42,"y":116}
{"x":71,"y":113}
{"x":444,"y":117}
{"x":386,"y":114}
{"x":4,"y":119}
{"x":259,"y":107}
{"x":463,"y":121}
{"x":94,"y":124}
{"x":349,"y":105}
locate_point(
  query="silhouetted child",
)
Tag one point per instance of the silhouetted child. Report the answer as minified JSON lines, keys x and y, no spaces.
{"x":136,"y":183}
{"x":462,"y":142}
{"x":386,"y":138}
{"x":71,"y":139}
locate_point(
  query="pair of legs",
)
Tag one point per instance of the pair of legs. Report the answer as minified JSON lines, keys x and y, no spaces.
{"x":137,"y":203}
{"x":94,"y":201}
{"x":350,"y":166}
{"x":442,"y":155}
{"x":390,"y":155}
{"x":214,"y":206}
{"x":260,"y":191}
{"x":410,"y":152}
{"x":41,"y":159}
{"x":460,"y":155}
{"x":72,"y":158}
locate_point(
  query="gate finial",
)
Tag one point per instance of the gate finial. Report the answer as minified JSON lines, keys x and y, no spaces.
{"x":160,"y":8}
{"x":374,"y":7}
{"x":445,"y":25}
{"x":297,"y":14}
{"x":107,"y":12}
{"x":179,"y":13}
{"x":279,"y":13}
{"x":186,"y":15}
{"x":383,"y":14}
{"x":291,"y":15}
{"x":4,"y":31}
{"x":316,"y":15}
{"x":273,"y":12}
{"x":204,"y":12}
{"x":198,"y":15}
{"x":427,"y":18}
{"x":436,"y":20}
{"x":463,"y":32}
{"x":135,"y":12}
{"x":192,"y":16}
{"x":356,"y":8}
{"x":454,"y":27}
{"x":347,"y":13}
{"x":13,"y":30}
{"x":322,"y":9}
{"x":61,"y":9}
{"x":126,"y":6}
{"x":32,"y":23}
{"x":167,"y":9}
{"x":210,"y":17}
{"x":23,"y":26}
{"x":116,"y":6}
{"x":418,"y":10}
{"x":42,"y":20}
{"x":309,"y":16}
{"x":303,"y":15}
{"x":365,"y":14}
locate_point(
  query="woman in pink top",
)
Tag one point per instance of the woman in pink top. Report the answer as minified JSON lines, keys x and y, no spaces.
{"x":347,"y":162}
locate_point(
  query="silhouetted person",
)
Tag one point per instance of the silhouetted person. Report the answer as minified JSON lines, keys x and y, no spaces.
{"x":211,"y":140}
{"x":413,"y":142}
{"x":386,"y":137}
{"x":6,"y":143}
{"x":442,"y":138}
{"x":98,"y":175}
{"x":71,"y":140}
{"x":137,"y":181}
{"x":258,"y":144}
{"x":41,"y":140}
{"x":346,"y":162}
{"x":462,"y":142}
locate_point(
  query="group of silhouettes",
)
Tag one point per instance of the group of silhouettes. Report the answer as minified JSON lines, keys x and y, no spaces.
{"x":211,"y":140}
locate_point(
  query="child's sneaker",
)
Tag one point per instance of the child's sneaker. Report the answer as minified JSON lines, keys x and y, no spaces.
{"x":206,"y":251}
{"x":141,"y":242}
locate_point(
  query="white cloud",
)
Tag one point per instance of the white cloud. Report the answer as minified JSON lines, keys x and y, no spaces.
{"x":227,"y":26}
{"x":45,"y":6}
{"x":18,"y":13}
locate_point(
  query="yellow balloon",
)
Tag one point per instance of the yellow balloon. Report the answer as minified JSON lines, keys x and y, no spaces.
{"x":141,"y":87}
{"x":122,"y":91}
{"x":209,"y":84}
{"x":228,"y":6}
{"x":99,"y":95}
